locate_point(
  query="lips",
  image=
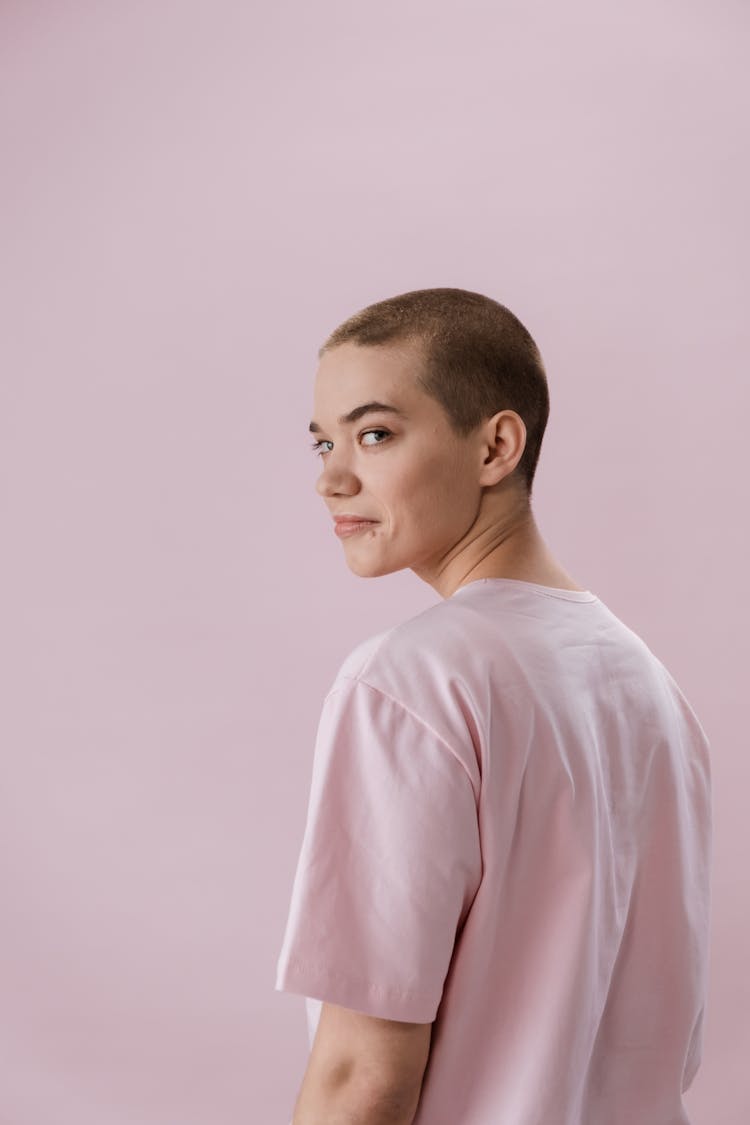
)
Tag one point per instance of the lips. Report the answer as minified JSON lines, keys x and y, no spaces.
{"x":343,"y":520}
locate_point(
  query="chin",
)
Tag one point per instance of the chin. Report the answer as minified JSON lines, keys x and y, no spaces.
{"x":362,"y":570}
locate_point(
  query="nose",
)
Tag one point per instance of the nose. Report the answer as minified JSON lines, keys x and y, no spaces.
{"x":336,"y":482}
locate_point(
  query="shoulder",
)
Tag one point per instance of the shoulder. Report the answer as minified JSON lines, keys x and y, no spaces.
{"x":428,"y":666}
{"x":402,"y":658}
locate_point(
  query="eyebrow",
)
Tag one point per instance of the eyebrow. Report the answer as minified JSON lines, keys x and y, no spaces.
{"x":358,"y":412}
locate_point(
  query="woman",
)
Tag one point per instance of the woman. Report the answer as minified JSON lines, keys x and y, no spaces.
{"x":501,"y":905}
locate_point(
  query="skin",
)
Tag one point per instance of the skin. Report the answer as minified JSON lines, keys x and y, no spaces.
{"x":362,"y":1070}
{"x":452,"y":510}
{"x":449,"y":508}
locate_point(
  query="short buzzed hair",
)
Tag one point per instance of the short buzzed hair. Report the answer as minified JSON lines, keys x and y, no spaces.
{"x":477,"y":359}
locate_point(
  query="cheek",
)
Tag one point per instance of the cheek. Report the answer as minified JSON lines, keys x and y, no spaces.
{"x":429,"y":489}
{"x":422,"y":483}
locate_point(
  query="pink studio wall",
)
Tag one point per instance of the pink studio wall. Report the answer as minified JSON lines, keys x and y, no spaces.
{"x":192,"y":196}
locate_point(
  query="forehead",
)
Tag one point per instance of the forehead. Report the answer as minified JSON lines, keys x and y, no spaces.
{"x":351,"y":373}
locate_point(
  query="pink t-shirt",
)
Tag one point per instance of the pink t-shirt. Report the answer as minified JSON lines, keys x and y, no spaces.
{"x":509,"y":833}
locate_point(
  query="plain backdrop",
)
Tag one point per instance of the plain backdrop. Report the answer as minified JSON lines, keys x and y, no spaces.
{"x":192,"y":196}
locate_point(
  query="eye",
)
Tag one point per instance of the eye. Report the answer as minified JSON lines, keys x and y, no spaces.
{"x":386,"y":432}
{"x":317,"y":444}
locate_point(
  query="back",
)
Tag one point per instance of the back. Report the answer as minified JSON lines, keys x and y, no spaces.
{"x":509,"y":833}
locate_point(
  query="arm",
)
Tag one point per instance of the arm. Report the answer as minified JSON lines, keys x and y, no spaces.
{"x":363,"y":1070}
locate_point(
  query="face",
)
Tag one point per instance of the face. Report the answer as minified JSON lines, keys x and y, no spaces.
{"x":409,"y":472}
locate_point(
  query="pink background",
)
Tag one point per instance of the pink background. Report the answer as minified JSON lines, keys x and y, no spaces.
{"x":192,"y":196}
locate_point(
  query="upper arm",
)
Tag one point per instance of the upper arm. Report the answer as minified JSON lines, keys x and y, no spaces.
{"x":378,"y":1055}
{"x":389,"y":867}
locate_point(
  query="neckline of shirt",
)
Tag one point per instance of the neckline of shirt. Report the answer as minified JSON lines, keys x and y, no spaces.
{"x":533,"y":587}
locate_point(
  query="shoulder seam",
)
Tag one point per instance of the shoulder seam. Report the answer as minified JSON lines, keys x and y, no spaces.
{"x":417,"y":718}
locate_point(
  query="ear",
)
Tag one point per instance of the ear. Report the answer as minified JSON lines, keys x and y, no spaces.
{"x":504,"y":440}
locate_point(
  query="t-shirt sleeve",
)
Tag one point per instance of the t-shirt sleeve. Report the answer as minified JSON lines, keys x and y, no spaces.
{"x":389,"y":865}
